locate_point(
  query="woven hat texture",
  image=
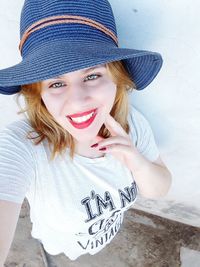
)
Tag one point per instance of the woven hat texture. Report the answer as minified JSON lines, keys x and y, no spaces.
{"x":61,"y":36}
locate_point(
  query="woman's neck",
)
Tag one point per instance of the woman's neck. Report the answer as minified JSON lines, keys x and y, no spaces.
{"x":85,"y":150}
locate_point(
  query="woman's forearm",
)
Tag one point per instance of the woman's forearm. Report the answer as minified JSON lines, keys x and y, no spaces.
{"x":153,"y":180}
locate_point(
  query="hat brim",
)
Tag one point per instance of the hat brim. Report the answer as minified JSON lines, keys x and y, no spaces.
{"x":57,"y":57}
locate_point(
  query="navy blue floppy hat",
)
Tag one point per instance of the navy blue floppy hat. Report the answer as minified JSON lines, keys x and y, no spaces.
{"x":61,"y":36}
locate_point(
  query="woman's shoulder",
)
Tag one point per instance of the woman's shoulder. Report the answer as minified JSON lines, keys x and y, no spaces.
{"x":23,"y":122}
{"x":16,"y":130}
{"x":135,"y":115}
{"x":140,"y":127}
{"x":20,"y":123}
{"x":142,"y":134}
{"x":137,"y":121}
{"x":17,"y":161}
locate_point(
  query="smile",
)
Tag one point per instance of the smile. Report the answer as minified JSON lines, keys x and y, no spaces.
{"x":81,"y":114}
{"x":83,"y":118}
{"x":83,"y":121}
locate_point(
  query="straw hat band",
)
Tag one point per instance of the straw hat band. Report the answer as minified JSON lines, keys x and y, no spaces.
{"x":53,"y":20}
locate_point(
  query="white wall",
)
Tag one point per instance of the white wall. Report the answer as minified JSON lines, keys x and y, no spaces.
{"x":170,"y":103}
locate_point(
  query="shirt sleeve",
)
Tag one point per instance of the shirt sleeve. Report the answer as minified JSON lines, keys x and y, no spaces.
{"x":16,"y":165}
{"x":142,"y":135}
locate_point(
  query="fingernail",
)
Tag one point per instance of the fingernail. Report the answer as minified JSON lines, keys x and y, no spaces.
{"x":103,"y":148}
{"x":95,"y":145}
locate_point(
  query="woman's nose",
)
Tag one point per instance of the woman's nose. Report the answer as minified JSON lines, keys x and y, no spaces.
{"x":77,"y":93}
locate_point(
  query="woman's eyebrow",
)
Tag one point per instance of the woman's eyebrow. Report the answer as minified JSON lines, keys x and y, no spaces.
{"x":84,"y":72}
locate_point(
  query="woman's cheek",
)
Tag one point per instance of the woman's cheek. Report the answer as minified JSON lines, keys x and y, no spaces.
{"x":52,"y":104}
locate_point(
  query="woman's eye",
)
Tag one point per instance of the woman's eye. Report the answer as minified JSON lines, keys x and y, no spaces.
{"x":52,"y":86}
{"x":88,"y":78}
{"x":91,"y":77}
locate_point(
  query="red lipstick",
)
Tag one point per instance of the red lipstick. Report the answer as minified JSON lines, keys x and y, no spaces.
{"x":84,"y":124}
{"x":81,"y":114}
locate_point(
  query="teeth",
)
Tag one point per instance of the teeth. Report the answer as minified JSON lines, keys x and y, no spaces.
{"x":83,"y":118}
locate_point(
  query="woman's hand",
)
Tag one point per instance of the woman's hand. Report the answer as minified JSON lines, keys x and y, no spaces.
{"x":120,"y":145}
{"x":152,"y":179}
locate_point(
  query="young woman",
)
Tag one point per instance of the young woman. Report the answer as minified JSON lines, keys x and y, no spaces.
{"x":83,"y":151}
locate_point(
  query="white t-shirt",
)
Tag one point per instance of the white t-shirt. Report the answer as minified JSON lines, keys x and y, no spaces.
{"x":75,"y":207}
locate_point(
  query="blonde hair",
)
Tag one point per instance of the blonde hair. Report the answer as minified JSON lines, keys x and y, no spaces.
{"x":45,"y":126}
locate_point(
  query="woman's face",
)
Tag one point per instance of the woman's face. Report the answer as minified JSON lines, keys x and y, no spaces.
{"x":77,"y":92}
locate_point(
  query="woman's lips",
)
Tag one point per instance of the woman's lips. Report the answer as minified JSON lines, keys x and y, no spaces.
{"x":84,"y":124}
{"x":81,"y":114}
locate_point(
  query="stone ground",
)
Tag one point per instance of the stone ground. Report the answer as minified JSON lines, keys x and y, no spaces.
{"x":144,"y":240}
